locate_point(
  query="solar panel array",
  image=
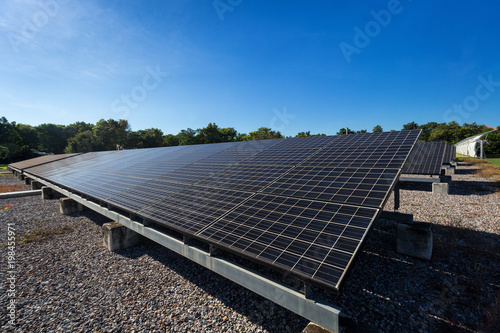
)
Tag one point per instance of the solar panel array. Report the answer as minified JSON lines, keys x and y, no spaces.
{"x":301,"y":205}
{"x":426,"y":159}
{"x":39,"y":160}
{"x":450,"y":154}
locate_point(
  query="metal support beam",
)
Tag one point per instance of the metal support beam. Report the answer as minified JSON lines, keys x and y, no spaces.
{"x":418,"y":180}
{"x":308,"y":291}
{"x":396,"y":195}
{"x":319,"y":312}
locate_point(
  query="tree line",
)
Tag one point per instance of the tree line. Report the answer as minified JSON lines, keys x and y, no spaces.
{"x":20,"y":141}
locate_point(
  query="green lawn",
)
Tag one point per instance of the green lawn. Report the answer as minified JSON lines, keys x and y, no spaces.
{"x":495,"y":161}
{"x":3,"y":166}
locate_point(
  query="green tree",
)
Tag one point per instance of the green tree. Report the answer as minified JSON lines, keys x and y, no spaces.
{"x":110,"y":134}
{"x":149,"y":138}
{"x":242,"y":137}
{"x":82,"y":142}
{"x":4,"y":155}
{"x":264,"y":133}
{"x":187,"y":137}
{"x":209,"y":134}
{"x":426,"y":130}
{"x":28,"y":136}
{"x":51,"y":138}
{"x":344,"y":131}
{"x":308,"y":133}
{"x":493,"y":139}
{"x":228,"y":134}
{"x":170,"y":140}
{"x":410,"y":126}
{"x":377,"y":129}
{"x":79,"y":127}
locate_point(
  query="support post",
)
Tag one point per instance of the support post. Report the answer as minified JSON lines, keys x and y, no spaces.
{"x":440,"y":188}
{"x":35,"y":185}
{"x":118,"y":237}
{"x":47,"y":193}
{"x":396,"y":195}
{"x":68,"y":206}
{"x":308,"y":291}
{"x":214,"y":251}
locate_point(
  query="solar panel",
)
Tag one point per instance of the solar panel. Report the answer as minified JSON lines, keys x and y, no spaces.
{"x":300,"y":205}
{"x":426,"y":159}
{"x":39,"y":160}
{"x":450,"y":154}
{"x":314,"y":240}
{"x":357,"y":186}
{"x":193,"y":207}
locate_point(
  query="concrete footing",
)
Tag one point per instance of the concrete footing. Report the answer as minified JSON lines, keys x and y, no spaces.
{"x":68,"y":206}
{"x":47,"y":193}
{"x":449,"y":170}
{"x":118,"y":237}
{"x":440,"y":188}
{"x":414,"y":240}
{"x":35,"y":185}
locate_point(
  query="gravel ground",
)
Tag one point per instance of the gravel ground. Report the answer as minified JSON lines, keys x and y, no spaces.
{"x":66,"y":281}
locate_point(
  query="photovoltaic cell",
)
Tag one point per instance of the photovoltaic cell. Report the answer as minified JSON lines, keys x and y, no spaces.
{"x":193,"y":207}
{"x":245,"y":177}
{"x":357,"y":186}
{"x":314,"y":240}
{"x":426,"y":159}
{"x":301,"y":205}
{"x":374,"y":150}
{"x":450,"y":154}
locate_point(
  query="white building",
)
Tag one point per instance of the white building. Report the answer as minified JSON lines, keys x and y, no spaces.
{"x":471,"y":146}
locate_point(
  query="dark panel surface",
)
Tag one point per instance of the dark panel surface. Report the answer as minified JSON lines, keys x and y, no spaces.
{"x":314,"y":240}
{"x":301,"y":205}
{"x":426,"y":159}
{"x":39,"y":160}
{"x":357,"y":186}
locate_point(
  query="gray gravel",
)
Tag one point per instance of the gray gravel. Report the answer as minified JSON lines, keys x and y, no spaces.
{"x":70,"y":283}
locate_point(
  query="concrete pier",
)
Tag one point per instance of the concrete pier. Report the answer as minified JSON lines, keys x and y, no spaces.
{"x":440,"y":188}
{"x":414,"y":240}
{"x":449,"y":170}
{"x":118,"y":237}
{"x":68,"y":206}
{"x":47,"y":193}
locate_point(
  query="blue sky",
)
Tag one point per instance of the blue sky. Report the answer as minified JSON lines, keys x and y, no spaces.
{"x":290,"y":65}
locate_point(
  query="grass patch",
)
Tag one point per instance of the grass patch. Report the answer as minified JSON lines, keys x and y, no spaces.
{"x":12,"y":188}
{"x":494,"y":161}
{"x":486,"y":168}
{"x":3,"y":166}
{"x":43,"y":234}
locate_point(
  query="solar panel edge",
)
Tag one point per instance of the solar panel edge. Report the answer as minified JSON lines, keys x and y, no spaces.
{"x":43,"y":163}
{"x":358,"y":249}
